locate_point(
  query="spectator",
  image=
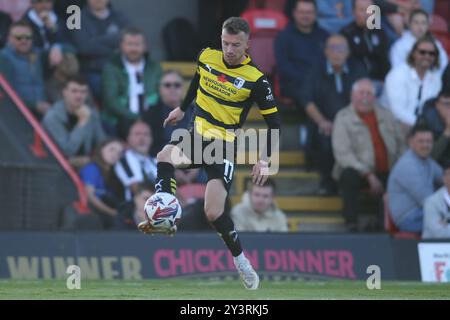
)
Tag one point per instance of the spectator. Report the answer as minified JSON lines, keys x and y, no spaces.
{"x":136,"y":166}
{"x":327,"y":92}
{"x":419,"y":23}
{"x":130,"y":82}
{"x":75,"y":126}
{"x":97,"y":39}
{"x":258,"y":211}
{"x":102,"y":186}
{"x":436,"y":219}
{"x":5,"y":23}
{"x":171,"y":94}
{"x":369,"y":46}
{"x":410,"y":84}
{"x":69,"y":67}
{"x":22,"y":65}
{"x":366,"y":143}
{"x":436,"y":115}
{"x":298,"y":48}
{"x":45,"y":24}
{"x":132,"y":212}
{"x":413,"y":179}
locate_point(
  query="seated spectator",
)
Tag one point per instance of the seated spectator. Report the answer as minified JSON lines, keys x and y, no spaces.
{"x":369,"y":46}
{"x":102,"y":186}
{"x":22,"y":64}
{"x":130,"y":82}
{"x":5,"y":23}
{"x":137,"y":166}
{"x":132,"y":213}
{"x":436,"y":114}
{"x":47,"y":29}
{"x":97,"y":40}
{"x":436,"y":211}
{"x":366,"y":143}
{"x":171,"y":94}
{"x":409,"y":85}
{"x":419,"y":23}
{"x":413,"y":179}
{"x":298,"y":48}
{"x":67,"y":68}
{"x":325,"y":93}
{"x":74,"y":126}
{"x":258,"y":211}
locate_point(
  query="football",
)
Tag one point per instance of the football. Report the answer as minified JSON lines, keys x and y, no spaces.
{"x":163,"y":210}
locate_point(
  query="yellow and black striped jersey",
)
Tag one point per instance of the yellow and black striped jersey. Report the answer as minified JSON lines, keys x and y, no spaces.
{"x":225,"y":94}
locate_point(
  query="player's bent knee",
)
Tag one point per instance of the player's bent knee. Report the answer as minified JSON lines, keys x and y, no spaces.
{"x":213,"y":213}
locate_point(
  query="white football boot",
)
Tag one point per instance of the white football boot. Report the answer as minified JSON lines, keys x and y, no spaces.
{"x":248,"y":275}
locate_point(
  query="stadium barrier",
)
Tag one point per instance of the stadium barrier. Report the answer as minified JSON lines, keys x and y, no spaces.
{"x":134,"y":256}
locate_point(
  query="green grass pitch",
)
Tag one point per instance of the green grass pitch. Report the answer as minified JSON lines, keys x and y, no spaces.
{"x":192,"y":289}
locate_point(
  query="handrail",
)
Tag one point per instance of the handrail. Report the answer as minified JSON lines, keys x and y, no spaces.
{"x":82,"y":204}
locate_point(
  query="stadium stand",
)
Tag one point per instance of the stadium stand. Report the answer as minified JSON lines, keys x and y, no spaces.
{"x":32,"y":171}
{"x":265,"y":25}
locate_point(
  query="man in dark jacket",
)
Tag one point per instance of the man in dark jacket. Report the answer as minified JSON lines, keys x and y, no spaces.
{"x":325,"y":93}
{"x":97,"y":39}
{"x":298,"y":48}
{"x":130,"y":83}
{"x":368,"y":46}
{"x":436,"y":114}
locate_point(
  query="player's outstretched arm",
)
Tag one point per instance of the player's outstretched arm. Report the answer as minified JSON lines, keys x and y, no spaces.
{"x":263,"y":96}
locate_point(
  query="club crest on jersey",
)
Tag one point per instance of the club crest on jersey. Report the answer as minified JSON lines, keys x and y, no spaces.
{"x":239,"y":83}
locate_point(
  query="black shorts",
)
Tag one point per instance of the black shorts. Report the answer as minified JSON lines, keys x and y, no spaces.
{"x":223,"y":165}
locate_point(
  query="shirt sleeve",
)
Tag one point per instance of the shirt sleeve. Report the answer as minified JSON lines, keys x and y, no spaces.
{"x":193,"y":87}
{"x":90,"y":175}
{"x":263,"y":96}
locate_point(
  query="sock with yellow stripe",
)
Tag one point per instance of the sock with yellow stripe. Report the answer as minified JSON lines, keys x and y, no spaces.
{"x":165,"y":182}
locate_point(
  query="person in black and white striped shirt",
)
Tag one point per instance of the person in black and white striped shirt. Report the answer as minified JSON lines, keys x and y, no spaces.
{"x":136,"y":166}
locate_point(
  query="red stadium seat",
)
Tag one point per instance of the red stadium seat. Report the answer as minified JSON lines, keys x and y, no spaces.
{"x":277,"y":5}
{"x":442,"y":8}
{"x":265,"y":25}
{"x":391,"y":228}
{"x":438,"y":24}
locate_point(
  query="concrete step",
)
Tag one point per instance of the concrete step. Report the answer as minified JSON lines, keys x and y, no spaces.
{"x":187,"y":69}
{"x":304,"y":222}
{"x":286,"y":158}
{"x":303,"y":203}
{"x":289,"y":182}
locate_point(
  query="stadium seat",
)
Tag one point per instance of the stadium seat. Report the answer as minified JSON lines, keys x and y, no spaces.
{"x":442,"y":8}
{"x":277,"y":5}
{"x":391,"y":228}
{"x":192,"y":192}
{"x":444,"y":38}
{"x":265,"y":25}
{"x":438,"y":24}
